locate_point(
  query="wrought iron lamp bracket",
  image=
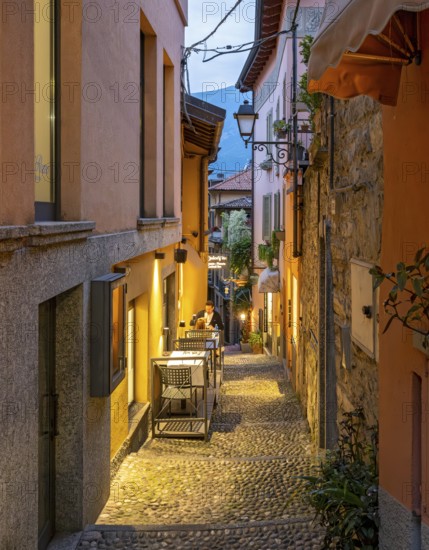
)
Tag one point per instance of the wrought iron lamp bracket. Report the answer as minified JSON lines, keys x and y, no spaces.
{"x":281,"y":150}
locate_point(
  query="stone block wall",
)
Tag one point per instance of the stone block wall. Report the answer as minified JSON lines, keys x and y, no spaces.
{"x":352,"y":205}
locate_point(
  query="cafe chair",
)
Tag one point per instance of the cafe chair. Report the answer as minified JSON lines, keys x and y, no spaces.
{"x":177,"y":384}
{"x":190,"y":344}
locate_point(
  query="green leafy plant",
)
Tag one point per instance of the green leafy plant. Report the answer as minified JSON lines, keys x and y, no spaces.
{"x":269,"y":251}
{"x":242,"y":306}
{"x":313,"y":101}
{"x":408,"y":299}
{"x":238,"y":240}
{"x":255,"y":338}
{"x":344,"y":493}
{"x":241,"y":254}
{"x":280,"y":126}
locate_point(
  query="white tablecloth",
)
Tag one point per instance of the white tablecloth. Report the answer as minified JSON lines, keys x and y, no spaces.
{"x":193,"y":359}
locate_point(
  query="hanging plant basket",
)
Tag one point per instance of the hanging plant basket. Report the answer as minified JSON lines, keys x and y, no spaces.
{"x":280,"y":235}
{"x":281,"y":134}
{"x":266,"y":165}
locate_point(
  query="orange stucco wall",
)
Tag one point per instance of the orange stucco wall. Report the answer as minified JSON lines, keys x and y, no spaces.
{"x":16,"y":117}
{"x":405,"y":229}
{"x":110,"y":174}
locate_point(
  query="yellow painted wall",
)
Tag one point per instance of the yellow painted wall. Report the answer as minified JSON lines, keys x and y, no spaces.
{"x":144,"y":286}
{"x":142,"y":387}
{"x":194,"y":286}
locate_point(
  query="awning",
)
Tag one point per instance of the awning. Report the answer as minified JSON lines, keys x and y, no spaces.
{"x":269,"y":280}
{"x":362,"y":45}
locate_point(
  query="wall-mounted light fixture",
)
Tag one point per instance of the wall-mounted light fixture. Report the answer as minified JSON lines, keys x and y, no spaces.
{"x":180,"y":255}
{"x":191,"y":234}
{"x":126,"y":270}
{"x":246,"y":118}
{"x":182,"y":324}
{"x":159,"y":255}
{"x":165,"y":331}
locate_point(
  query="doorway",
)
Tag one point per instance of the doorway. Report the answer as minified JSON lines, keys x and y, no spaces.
{"x":169,"y":309}
{"x":131,"y":339}
{"x":48,"y":402}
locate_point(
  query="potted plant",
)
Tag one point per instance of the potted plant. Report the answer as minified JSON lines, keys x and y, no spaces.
{"x":281,"y":128}
{"x":255,"y":340}
{"x":266,"y":164}
{"x":244,"y":333}
{"x":280,"y":234}
{"x":269,"y":251}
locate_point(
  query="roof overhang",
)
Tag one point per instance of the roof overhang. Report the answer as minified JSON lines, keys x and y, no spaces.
{"x":362,"y":45}
{"x":267,"y":22}
{"x":202,"y":124}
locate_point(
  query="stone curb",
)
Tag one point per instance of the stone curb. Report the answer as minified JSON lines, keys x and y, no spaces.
{"x":196,"y":526}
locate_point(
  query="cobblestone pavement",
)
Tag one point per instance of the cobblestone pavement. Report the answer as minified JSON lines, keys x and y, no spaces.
{"x":238,"y":490}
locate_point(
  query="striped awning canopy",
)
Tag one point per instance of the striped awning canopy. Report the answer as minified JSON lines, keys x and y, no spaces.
{"x":362,"y":45}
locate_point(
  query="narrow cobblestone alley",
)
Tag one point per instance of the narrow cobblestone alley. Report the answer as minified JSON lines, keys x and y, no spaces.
{"x":238,"y":490}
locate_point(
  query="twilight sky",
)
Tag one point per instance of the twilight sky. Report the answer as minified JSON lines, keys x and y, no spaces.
{"x":239,"y":28}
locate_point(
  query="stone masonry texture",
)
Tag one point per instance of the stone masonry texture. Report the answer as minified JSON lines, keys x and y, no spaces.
{"x":353,"y":207}
{"x":241,"y":489}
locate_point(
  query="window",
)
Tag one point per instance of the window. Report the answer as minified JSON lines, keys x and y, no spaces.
{"x":46,"y":111}
{"x":277,"y":210}
{"x":269,"y":122}
{"x":266,"y":217}
{"x":169,"y":145}
{"x":108,"y":316}
{"x":284,"y":96}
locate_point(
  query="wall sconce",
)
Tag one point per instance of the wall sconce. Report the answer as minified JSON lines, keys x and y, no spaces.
{"x":180,"y":255}
{"x":182,"y":324}
{"x":243,"y":316}
{"x":165,"y":331}
{"x":191,"y":234}
{"x":126,"y":270}
{"x":367,"y":311}
{"x":159,"y":255}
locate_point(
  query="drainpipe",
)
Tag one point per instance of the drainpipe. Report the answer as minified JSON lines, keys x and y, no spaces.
{"x":331,"y":142}
{"x":295,"y":203}
{"x":330,"y":368}
{"x":205,"y":159}
{"x":252,"y":229}
{"x":330,"y":413}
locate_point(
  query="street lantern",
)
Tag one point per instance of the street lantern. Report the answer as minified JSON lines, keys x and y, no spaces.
{"x":246,"y":118}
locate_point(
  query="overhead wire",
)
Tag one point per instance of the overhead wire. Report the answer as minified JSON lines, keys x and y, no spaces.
{"x":230,"y":49}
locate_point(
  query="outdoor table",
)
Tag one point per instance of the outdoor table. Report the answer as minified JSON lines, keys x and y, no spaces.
{"x":181,"y":424}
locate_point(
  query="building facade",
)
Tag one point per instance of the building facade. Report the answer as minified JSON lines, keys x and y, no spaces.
{"x":268,"y":79}
{"x":351,"y":57}
{"x":90,"y":223}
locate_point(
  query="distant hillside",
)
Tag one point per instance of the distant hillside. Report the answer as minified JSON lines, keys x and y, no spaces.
{"x":232,"y":156}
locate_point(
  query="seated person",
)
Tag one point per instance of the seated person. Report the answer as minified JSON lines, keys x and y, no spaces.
{"x":200,"y":324}
{"x":210,"y":316}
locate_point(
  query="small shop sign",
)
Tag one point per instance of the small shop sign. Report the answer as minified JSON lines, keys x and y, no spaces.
{"x":217,"y":261}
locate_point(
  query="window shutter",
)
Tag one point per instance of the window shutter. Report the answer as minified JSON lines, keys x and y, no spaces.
{"x":266,"y":218}
{"x":277,"y":210}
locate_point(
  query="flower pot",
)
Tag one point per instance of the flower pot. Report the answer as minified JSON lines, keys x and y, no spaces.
{"x":266,"y":165}
{"x":280,"y":235}
{"x":257,"y":348}
{"x":245,"y":347}
{"x":281,"y":134}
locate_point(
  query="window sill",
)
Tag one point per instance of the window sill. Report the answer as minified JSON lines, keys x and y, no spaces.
{"x":13,"y":237}
{"x":156,"y":223}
